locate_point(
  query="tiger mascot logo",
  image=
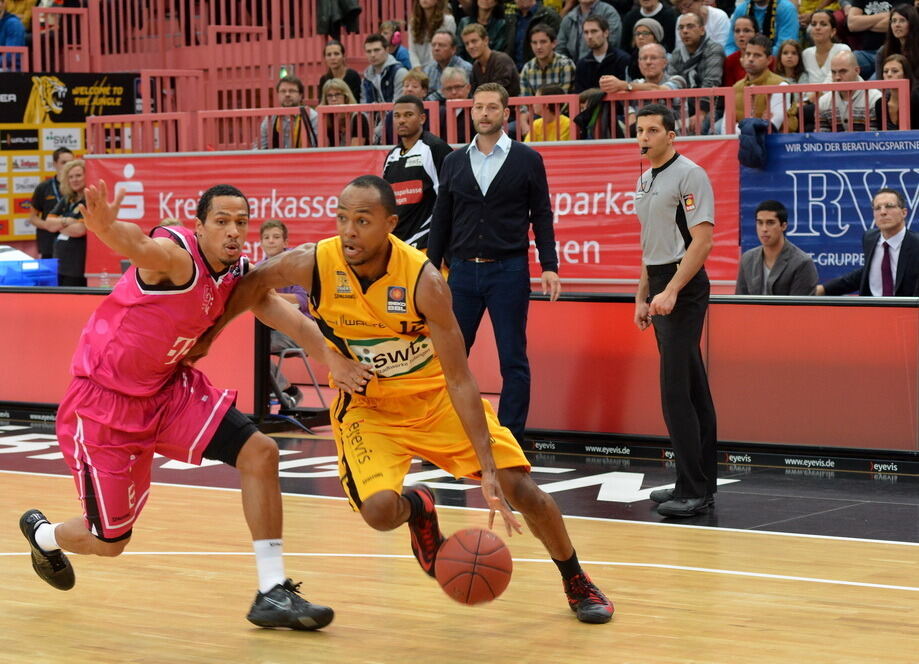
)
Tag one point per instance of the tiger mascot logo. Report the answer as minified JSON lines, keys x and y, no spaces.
{"x":48,"y":93}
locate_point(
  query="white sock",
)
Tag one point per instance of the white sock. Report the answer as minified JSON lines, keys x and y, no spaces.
{"x":44,"y":537}
{"x":269,"y":563}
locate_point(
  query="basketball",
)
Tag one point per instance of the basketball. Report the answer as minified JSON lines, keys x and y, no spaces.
{"x":473,"y":566}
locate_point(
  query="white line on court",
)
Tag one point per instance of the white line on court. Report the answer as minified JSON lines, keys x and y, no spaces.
{"x":717,"y":529}
{"x":606,"y":563}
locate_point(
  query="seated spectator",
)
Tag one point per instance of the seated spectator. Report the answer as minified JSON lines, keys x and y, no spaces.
{"x":273,"y":234}
{"x":528,"y":15}
{"x":490,"y":15}
{"x":12,"y":33}
{"x":755,"y":62}
{"x":334,"y":55}
{"x":777,"y":267}
{"x":744,"y":30}
{"x":790,"y":64}
{"x":289,"y":131}
{"x":571,"y":31}
{"x":347,"y":128}
{"x":547,"y":67}
{"x":659,"y":12}
{"x":817,"y":58}
{"x":902,"y":37}
{"x":645,"y":31}
{"x":66,"y":220}
{"x":849,"y":108}
{"x":552,"y":124}
{"x":652,"y":59}
{"x":428,"y":17}
{"x":699,"y":61}
{"x":383,"y":76}
{"x":602,"y":61}
{"x":489,"y":65}
{"x":392,"y":32}
{"x":443,"y":51}
{"x":891,"y":254}
{"x":716,"y":22}
{"x":868,"y":20}
{"x":896,"y":67}
{"x":455,"y":85}
{"x":776,"y":19}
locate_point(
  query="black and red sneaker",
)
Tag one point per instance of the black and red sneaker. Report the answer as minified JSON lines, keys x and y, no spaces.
{"x":426,"y":535}
{"x":587,"y":601}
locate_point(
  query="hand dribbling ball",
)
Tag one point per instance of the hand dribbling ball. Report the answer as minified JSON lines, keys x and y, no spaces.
{"x":473,"y":566}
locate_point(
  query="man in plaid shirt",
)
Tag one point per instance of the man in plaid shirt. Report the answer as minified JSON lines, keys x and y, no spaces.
{"x":546,"y":68}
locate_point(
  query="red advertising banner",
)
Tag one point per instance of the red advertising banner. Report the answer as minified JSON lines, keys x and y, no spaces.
{"x":592,"y":186}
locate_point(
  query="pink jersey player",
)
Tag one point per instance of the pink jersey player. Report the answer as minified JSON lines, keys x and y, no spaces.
{"x":132,"y":396}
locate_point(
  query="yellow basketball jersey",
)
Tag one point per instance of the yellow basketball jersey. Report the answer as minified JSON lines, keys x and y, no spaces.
{"x":379,"y":327}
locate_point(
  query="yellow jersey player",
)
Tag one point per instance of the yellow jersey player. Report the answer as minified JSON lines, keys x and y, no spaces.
{"x":410,"y":392}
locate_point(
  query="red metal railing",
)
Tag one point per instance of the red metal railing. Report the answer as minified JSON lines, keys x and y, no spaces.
{"x":342,"y":123}
{"x":62,"y":39}
{"x":171,"y":90}
{"x":14,"y":58}
{"x":155,"y":132}
{"x":857,"y":114}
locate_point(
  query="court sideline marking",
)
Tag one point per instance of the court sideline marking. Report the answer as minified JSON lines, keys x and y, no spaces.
{"x":625,"y":522}
{"x":605,"y":563}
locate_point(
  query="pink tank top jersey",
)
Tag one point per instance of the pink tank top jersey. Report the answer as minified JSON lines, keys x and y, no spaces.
{"x":136,"y":339}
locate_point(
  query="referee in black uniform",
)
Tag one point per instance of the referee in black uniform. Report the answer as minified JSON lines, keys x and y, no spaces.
{"x":676,"y":208}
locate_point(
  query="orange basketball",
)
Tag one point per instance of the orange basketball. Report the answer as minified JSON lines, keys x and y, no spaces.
{"x":473,"y":566}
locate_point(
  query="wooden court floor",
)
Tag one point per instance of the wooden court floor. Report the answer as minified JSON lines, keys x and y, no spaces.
{"x":682,"y":594}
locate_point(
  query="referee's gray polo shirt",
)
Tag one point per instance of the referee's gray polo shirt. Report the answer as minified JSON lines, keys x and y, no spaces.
{"x":670,"y":200}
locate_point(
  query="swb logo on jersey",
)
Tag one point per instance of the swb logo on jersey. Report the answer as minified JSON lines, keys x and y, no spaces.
{"x":395,"y":300}
{"x":689,"y":202}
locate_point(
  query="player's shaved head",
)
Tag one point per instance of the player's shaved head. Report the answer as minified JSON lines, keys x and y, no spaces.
{"x":382,"y":187}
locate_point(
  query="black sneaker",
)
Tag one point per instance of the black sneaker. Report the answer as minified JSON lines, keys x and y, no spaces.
{"x":586,"y":600}
{"x":52,"y":566}
{"x":666,"y":495}
{"x":282,"y":606}
{"x":426,"y":535}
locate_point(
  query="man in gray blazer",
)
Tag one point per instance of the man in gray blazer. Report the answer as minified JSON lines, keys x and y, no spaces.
{"x":778,"y":267}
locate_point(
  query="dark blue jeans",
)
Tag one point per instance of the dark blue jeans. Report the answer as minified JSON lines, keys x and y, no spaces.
{"x":503,"y":288}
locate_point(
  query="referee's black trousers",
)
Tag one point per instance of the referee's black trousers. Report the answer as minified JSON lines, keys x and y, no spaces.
{"x":685,"y":396}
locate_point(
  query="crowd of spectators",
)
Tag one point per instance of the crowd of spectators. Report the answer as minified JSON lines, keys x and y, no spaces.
{"x":586,"y":46}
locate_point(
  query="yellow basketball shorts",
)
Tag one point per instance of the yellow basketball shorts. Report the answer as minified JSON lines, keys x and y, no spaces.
{"x":377,"y":440}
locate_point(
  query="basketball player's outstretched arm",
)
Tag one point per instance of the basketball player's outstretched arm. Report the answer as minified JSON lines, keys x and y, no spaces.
{"x":157,"y":259}
{"x":256,"y":292}
{"x":435,"y":304}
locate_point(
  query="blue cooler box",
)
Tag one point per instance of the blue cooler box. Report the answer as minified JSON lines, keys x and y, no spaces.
{"x":38,"y":272}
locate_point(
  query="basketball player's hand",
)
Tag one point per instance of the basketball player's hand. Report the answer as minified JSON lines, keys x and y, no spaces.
{"x":551,"y":285}
{"x":642,"y":318}
{"x":350,"y":376}
{"x":662,"y":303}
{"x":201,"y":348}
{"x":98,"y":213}
{"x":494,"y":498}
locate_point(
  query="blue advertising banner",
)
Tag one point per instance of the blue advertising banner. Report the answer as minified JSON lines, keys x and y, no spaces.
{"x":827,"y":181}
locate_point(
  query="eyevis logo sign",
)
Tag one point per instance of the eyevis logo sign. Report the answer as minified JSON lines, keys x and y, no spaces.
{"x":132,"y":207}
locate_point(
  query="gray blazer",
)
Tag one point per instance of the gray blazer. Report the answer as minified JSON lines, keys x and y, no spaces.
{"x":794,"y":273}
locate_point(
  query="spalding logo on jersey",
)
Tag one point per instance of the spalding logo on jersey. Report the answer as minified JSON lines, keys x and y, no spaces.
{"x":342,"y":287}
{"x":395,"y":300}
